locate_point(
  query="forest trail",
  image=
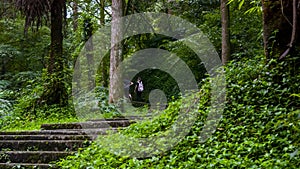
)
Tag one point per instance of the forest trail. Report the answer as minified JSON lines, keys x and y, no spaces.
{"x":41,"y":148}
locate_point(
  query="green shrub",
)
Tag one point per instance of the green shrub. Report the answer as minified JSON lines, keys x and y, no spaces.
{"x":106,"y":109}
{"x":259,"y":128}
{"x":21,"y":109}
{"x":5,"y":100}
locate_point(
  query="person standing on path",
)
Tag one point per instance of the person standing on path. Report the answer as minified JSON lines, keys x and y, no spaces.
{"x":127,"y":84}
{"x":139,"y":88}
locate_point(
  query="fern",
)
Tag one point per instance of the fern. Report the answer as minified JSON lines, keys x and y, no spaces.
{"x":5,"y":104}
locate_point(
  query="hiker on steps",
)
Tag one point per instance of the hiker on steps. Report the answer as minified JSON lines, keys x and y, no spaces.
{"x":139,"y":88}
{"x":127,"y":84}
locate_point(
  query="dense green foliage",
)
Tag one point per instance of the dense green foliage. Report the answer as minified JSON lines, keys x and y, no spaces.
{"x":19,"y":52}
{"x":19,"y":94}
{"x":25,"y":57}
{"x":259,"y":128}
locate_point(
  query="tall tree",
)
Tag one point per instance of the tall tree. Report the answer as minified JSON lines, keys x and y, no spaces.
{"x":116,"y":50}
{"x":35,"y":11}
{"x":280,"y":26}
{"x":55,"y":92}
{"x":77,"y":74}
{"x":225,"y":32}
{"x":89,"y":48}
{"x":75,"y":15}
{"x":104,"y":63}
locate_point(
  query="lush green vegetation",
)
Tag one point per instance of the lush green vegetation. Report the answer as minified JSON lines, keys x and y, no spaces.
{"x":259,"y":128}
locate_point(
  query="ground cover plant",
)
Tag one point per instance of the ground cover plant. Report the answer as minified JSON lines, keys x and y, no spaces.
{"x":41,"y":44}
{"x":259,"y":127}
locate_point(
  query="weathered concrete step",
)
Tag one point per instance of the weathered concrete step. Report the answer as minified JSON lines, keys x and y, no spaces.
{"x":42,"y":145}
{"x":61,"y":132}
{"x":32,"y":156}
{"x":27,"y":165}
{"x":110,"y":119}
{"x":130,"y":118}
{"x":88,"y":125}
{"x":45,"y":137}
{"x":35,"y":149}
{"x":89,"y":132}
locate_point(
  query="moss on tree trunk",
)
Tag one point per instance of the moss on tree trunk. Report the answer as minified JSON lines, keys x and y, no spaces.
{"x":55,"y":90}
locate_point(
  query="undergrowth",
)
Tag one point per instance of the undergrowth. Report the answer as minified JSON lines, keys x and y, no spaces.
{"x":22,"y":111}
{"x":259,"y":127}
{"x":20,"y":108}
{"x":20,"y":120}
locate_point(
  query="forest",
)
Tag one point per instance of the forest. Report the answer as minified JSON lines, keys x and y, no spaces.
{"x":221,"y":78}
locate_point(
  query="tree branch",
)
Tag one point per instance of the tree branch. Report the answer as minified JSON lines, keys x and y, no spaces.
{"x":284,"y":14}
{"x":293,"y":37}
{"x":97,"y":1}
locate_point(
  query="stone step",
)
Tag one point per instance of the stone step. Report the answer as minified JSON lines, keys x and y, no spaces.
{"x":36,"y":157}
{"x":87,"y":125}
{"x":46,"y":137}
{"x":61,"y":132}
{"x":39,"y":149}
{"x":27,"y":165}
{"x":130,"y":118}
{"x":110,"y":119}
{"x":42,"y":145}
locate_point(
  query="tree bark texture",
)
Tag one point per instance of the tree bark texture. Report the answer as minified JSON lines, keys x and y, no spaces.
{"x":225,"y":32}
{"x":56,"y":36}
{"x":77,"y":76}
{"x":75,"y":15}
{"x":104,"y":63}
{"x":55,"y":91}
{"x":116,"y":51}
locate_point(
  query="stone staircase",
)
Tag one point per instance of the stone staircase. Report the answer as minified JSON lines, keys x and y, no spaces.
{"x":40,"y":149}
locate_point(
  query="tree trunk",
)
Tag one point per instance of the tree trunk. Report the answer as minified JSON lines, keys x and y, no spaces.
{"x":102,"y":12}
{"x":116,"y":51}
{"x":225,"y":32}
{"x":278,"y":23}
{"x":75,"y":16}
{"x":169,"y":10}
{"x":104,"y":62}
{"x":77,"y":76}
{"x":89,"y":48}
{"x":55,"y":91}
{"x":56,"y":36}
